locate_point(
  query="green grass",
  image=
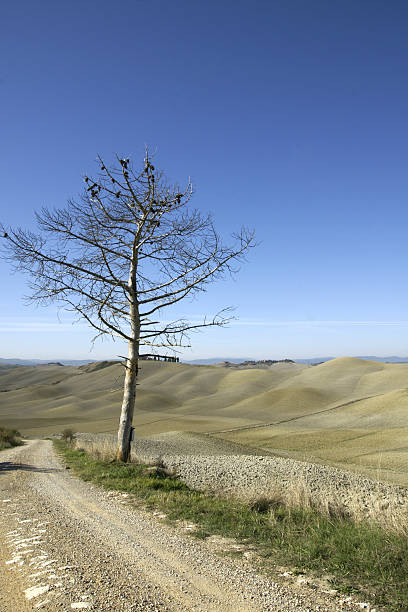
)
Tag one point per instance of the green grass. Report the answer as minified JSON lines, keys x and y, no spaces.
{"x":9,"y":438}
{"x":362,"y":558}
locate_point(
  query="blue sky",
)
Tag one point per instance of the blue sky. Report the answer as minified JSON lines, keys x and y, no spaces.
{"x":290,"y":117}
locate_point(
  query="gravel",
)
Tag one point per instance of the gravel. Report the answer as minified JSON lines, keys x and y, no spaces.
{"x":220,"y":466}
{"x":71,"y":545}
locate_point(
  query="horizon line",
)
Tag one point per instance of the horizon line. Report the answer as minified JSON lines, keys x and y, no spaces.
{"x":35,"y":326}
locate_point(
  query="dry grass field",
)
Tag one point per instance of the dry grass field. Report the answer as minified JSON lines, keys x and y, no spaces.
{"x":346,"y":412}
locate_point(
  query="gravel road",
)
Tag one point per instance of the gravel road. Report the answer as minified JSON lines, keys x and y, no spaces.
{"x":67,"y":545}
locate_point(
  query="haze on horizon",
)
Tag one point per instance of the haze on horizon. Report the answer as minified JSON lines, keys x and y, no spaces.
{"x":290,"y":119}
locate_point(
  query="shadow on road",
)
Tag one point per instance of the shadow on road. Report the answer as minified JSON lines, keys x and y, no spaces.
{"x":8,"y":466}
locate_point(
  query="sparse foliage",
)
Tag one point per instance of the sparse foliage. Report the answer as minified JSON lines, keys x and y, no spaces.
{"x":9,"y":438}
{"x":129,"y":248}
{"x":68,"y":435}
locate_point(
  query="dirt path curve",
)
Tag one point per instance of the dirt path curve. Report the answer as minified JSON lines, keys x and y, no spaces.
{"x":67,"y":545}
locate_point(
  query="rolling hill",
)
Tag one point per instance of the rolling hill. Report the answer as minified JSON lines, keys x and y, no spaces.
{"x":348,"y":412}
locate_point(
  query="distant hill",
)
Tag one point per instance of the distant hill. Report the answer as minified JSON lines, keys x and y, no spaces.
{"x":210,"y":361}
{"x":33,"y":362}
{"x":214,"y":360}
{"x":391,"y":359}
{"x":311,"y":360}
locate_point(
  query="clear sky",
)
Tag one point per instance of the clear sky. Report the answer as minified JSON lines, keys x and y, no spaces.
{"x":291,"y":117}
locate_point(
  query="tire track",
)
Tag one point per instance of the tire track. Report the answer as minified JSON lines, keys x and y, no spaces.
{"x":297,"y":418}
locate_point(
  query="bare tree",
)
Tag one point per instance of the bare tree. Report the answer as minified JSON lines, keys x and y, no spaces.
{"x":127,"y":249}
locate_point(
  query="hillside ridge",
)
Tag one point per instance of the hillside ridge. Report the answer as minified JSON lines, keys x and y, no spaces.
{"x":346,"y":411}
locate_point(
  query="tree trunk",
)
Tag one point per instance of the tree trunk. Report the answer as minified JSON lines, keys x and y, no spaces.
{"x":128,"y":404}
{"x":129,"y":391}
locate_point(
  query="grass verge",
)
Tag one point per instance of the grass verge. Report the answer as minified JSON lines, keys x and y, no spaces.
{"x":9,"y":438}
{"x":362,"y":558}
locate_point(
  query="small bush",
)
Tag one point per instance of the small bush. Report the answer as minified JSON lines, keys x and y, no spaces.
{"x":262,"y":505}
{"x":68,"y":435}
{"x":9,"y":438}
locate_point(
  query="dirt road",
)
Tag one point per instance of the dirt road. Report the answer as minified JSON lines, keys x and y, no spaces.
{"x":67,"y":545}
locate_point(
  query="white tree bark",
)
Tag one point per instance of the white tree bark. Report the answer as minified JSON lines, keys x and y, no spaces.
{"x":128,"y":403}
{"x":132,"y":365}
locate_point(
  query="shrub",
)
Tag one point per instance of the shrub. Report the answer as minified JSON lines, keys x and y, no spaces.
{"x":9,"y":438}
{"x":68,"y":435}
{"x":262,"y":505}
